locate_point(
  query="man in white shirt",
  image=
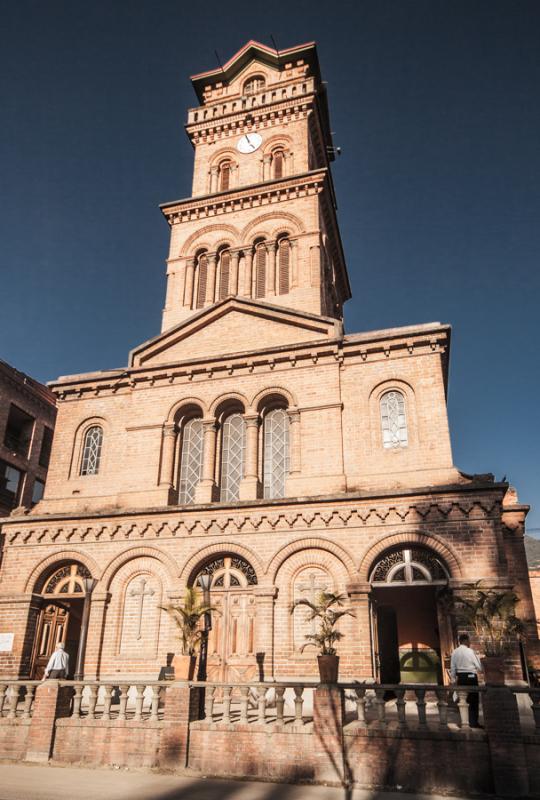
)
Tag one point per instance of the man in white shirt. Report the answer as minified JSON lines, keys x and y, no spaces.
{"x":464,"y":668}
{"x":58,"y":664}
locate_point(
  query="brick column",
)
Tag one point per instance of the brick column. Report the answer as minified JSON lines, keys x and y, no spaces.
{"x":506,"y":748}
{"x":213,"y":179}
{"x":264,"y":631}
{"x":328,"y":715}
{"x":249,"y":485}
{"x":267,"y":163}
{"x":360,"y":662}
{"x":167,"y":455}
{"x":211,"y":279}
{"x":50,"y":703}
{"x":96,"y":624}
{"x":188,"y":287}
{"x":294,"y":441}
{"x":206,"y":489}
{"x":181,"y":708}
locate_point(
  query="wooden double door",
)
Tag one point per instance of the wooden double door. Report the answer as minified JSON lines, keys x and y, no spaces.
{"x":57,"y":622}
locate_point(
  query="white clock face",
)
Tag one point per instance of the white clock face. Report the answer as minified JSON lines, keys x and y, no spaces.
{"x":249,"y":143}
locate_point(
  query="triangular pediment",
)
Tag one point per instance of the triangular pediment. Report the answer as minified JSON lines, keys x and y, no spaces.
{"x":234,"y":325}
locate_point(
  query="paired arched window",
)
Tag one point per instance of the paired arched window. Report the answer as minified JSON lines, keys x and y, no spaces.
{"x":191,"y":460}
{"x":202,"y":275}
{"x":283,"y":263}
{"x":278,"y":163}
{"x":393,"y":420}
{"x":224,"y":176}
{"x":275,"y":452}
{"x":224,"y":273}
{"x":91,"y":453}
{"x":233,"y":438}
{"x":254,"y":84}
{"x":260,"y":269}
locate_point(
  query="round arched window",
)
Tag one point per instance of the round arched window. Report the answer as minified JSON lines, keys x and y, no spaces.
{"x":405,"y":566}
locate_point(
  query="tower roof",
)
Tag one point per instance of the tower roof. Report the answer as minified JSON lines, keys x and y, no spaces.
{"x":260,"y":52}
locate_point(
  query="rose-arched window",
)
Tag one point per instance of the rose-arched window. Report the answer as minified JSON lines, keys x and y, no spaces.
{"x":260,"y":269}
{"x":393,"y":420}
{"x":232,"y":457}
{"x":224,"y":273}
{"x":228,"y":572}
{"x":191,"y":460}
{"x":276,"y":452}
{"x":202,"y":275}
{"x":409,"y":565}
{"x":283,"y":263}
{"x":278,"y":164}
{"x":67,"y":579}
{"x":254,"y":84}
{"x":91,"y":454}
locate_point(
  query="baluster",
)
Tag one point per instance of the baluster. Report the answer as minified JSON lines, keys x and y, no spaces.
{"x":361,"y":707}
{"x":535,"y":698}
{"x":92,"y":700}
{"x":280,"y":704}
{"x":3,"y":696}
{"x":442,"y":706}
{"x":77,"y":699}
{"x":227,"y":704}
{"x":380,"y":706}
{"x":13,"y":701}
{"x":244,"y":693}
{"x":124,"y":689}
{"x":154,"y":707}
{"x":107,"y":700}
{"x":421,"y":706}
{"x":139,"y":699}
{"x":298,"y":706}
{"x":261,"y":705}
{"x":29,"y":697}
{"x":401,"y":706}
{"x":209,"y":703}
{"x":463,"y":707}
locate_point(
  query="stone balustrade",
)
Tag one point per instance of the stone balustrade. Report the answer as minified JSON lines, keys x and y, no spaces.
{"x":17,"y":699}
{"x":94,"y":700}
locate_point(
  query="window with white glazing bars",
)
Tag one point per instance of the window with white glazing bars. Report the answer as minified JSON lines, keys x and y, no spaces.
{"x":393,"y":420}
{"x":191,"y":460}
{"x":232,"y":457}
{"x":276,"y":452}
{"x":93,"y":441}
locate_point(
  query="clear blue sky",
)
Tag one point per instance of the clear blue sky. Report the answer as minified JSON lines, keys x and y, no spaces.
{"x":436,"y":105}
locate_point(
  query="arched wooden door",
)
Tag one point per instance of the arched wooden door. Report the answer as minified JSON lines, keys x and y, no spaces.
{"x":60,"y":617}
{"x":231,"y":641}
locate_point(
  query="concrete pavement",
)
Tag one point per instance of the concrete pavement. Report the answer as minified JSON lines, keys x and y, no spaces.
{"x":28,"y":782}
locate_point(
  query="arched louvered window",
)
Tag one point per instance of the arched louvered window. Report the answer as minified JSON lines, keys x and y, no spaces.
{"x":393,"y":420}
{"x":225,"y":176}
{"x":232,"y":457}
{"x":284,"y":261}
{"x":191,"y":460}
{"x":202,"y":274}
{"x":224,"y":273}
{"x":276,"y":452}
{"x":91,"y":456}
{"x":254,"y":84}
{"x":260,"y":269}
{"x":278,"y":164}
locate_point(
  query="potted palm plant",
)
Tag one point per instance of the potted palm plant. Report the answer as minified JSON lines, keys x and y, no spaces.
{"x":188,"y":616}
{"x":491,"y":614}
{"x":326,"y":610}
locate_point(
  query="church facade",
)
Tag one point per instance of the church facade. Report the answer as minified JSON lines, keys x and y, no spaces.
{"x":255,"y":441}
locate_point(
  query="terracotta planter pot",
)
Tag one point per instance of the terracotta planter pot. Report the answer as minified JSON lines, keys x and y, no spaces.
{"x":328,"y":668}
{"x":184,"y":667}
{"x":493,"y":670}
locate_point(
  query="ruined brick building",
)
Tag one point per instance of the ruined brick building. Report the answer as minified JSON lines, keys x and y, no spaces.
{"x":256,"y":441}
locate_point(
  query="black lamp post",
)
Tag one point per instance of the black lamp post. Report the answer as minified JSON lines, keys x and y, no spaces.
{"x":204,"y":583}
{"x":89,"y":584}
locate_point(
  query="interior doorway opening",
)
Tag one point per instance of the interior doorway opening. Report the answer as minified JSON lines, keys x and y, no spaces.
{"x":409,"y":640}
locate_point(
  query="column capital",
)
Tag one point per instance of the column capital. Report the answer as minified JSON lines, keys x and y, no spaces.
{"x":209,"y":423}
{"x":358,"y":589}
{"x":270,"y":245}
{"x":294,"y":414}
{"x":252,"y":420}
{"x":269,"y":592}
{"x":169,"y":429}
{"x":212,"y":257}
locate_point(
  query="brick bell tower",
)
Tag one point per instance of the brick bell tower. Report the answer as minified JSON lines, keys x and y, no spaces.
{"x":261,"y":222}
